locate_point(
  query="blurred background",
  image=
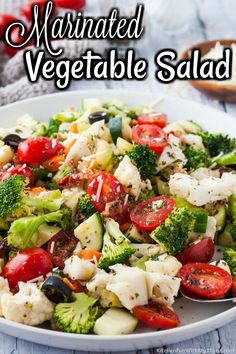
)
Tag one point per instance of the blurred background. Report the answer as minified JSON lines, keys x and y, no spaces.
{"x":168,"y":24}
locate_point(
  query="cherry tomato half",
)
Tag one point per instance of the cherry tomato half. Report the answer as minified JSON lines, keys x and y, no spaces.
{"x":38,"y":149}
{"x":5,"y":21}
{"x":156,"y":316}
{"x":61,"y":247}
{"x":71,"y":4}
{"x":150,"y":213}
{"x":21,"y":170}
{"x":151,"y":135}
{"x":27,"y":8}
{"x":201,"y":251}
{"x":27,"y":265}
{"x":205,"y":280}
{"x":159,"y":119}
{"x":106,"y":192}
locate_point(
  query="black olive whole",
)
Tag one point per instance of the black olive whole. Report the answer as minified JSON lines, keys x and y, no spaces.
{"x":56,"y":290}
{"x":13,"y":140}
{"x":97,"y":116}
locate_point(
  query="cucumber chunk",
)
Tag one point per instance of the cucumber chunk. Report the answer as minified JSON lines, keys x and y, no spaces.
{"x":44,"y":234}
{"x":123,"y":146}
{"x":137,"y":236}
{"x":109,"y":299}
{"x":90,"y":232}
{"x":104,"y":154}
{"x":140,"y":263}
{"x":115,"y":126}
{"x":200,"y":224}
{"x":221,"y":218}
{"x":162,"y":187}
{"x":115,"y":321}
{"x":232,"y":206}
{"x":225,"y":238}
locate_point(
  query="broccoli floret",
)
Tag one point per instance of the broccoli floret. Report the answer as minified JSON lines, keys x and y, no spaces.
{"x":44,"y":202}
{"x":66,"y":170}
{"x":66,"y":221}
{"x":86,"y":206}
{"x":42,"y":174}
{"x":145,"y":160}
{"x":230,"y":259}
{"x":17,"y":202}
{"x":78,"y":316}
{"x":51,"y":185}
{"x":53,"y":127}
{"x":11,"y":194}
{"x":132,"y":114}
{"x":22,"y":230}
{"x":225,"y":159}
{"x":116,"y":247}
{"x":172,"y":234}
{"x":196,"y":158}
{"x":217,"y":143}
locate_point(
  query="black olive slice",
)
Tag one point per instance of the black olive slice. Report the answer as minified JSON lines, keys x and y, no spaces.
{"x":56,"y":290}
{"x":97,"y":116}
{"x":13,"y":140}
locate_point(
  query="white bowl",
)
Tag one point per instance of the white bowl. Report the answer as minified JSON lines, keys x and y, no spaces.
{"x":196,"y":318}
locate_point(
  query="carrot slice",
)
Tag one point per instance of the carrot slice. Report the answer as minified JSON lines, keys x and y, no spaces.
{"x":74,"y":285}
{"x":54,"y":163}
{"x":74,"y":128}
{"x":89,"y":254}
{"x":37,"y":190}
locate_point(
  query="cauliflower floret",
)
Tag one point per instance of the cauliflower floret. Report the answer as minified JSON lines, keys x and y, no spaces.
{"x":81,"y":148}
{"x":77,"y":268}
{"x":182,"y":126}
{"x":129,"y":285}
{"x":193,"y":140}
{"x":173,"y":127}
{"x":162,"y":288}
{"x":128,"y":175}
{"x":4,"y":289}
{"x":167,"y":265}
{"x":204,"y":172}
{"x":98,"y":130}
{"x":99,"y":282}
{"x":29,"y":306}
{"x":188,"y":126}
{"x":206,"y":190}
{"x":72,"y":196}
{"x":171,"y":153}
{"x":146,"y":249}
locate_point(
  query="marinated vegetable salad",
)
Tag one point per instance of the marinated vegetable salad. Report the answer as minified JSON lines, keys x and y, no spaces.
{"x":107,"y":211}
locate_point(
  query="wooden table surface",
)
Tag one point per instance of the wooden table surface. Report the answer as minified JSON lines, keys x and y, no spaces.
{"x":214,"y":19}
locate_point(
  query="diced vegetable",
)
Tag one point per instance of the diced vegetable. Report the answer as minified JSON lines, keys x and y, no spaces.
{"x":56,"y":290}
{"x":114,"y":322}
{"x":90,"y":232}
{"x":115,"y":126}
